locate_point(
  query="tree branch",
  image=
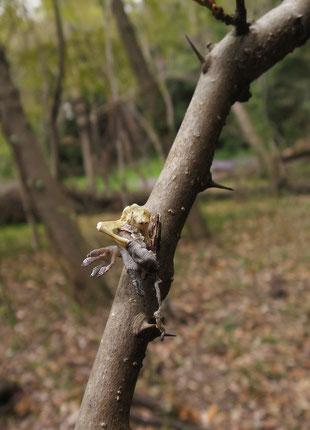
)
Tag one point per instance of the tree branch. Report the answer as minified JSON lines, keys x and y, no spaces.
{"x":238,"y":19}
{"x":234,"y":64}
{"x":241,"y":24}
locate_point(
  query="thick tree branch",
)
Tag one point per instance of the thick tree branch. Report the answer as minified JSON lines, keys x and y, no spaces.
{"x":234,"y":63}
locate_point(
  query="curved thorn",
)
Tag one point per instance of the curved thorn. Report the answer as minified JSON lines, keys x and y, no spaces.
{"x":197,"y":53}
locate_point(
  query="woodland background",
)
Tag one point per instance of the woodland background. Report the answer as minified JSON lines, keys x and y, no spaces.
{"x":240,"y":304}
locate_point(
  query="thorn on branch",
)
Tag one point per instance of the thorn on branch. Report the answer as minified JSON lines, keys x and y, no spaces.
{"x":197,"y":53}
{"x":212,"y":184}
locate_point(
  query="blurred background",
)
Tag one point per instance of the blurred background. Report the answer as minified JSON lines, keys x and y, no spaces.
{"x":91,"y":97}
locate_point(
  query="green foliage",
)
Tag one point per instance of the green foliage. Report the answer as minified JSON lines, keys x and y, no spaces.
{"x":279,"y":108}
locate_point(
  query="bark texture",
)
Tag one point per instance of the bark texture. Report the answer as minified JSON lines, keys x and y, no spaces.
{"x":44,"y":193}
{"x":233,"y":64}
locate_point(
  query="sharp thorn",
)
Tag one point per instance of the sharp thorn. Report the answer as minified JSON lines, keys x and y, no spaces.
{"x":197,"y":53}
{"x":213,"y":184}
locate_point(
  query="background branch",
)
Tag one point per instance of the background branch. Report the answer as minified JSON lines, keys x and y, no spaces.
{"x":238,"y":19}
{"x":57,"y":95}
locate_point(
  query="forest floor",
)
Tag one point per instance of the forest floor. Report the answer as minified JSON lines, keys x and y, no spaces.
{"x":239,"y":305}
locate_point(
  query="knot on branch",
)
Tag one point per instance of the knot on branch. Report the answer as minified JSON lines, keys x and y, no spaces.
{"x":242,"y":93}
{"x":144,"y":329}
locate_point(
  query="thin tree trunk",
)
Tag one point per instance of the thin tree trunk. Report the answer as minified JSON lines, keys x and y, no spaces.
{"x":161,"y":76}
{"x":128,"y":139}
{"x":151,"y":133}
{"x":279,"y":178}
{"x":109,"y":59}
{"x":101,"y":156}
{"x":150,"y":95}
{"x":152,"y":98}
{"x":196,"y":224}
{"x":84,"y":133}
{"x":110,"y":67}
{"x":121,"y":163}
{"x":270,"y":157}
{"x":233,"y":63}
{"x":251,"y":136}
{"x":94,"y":129}
{"x":44,"y":192}
{"x":27,"y":203}
{"x":54,"y":135}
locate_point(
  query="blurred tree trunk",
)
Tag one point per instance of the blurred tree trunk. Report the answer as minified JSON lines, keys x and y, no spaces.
{"x":54,"y":135}
{"x":234,"y":63}
{"x":153,"y":100}
{"x":151,"y":97}
{"x":83,"y":123}
{"x":44,"y":193}
{"x":115,"y":121}
{"x":269,"y":155}
{"x":94,"y":130}
{"x":109,"y":59}
{"x":26,"y":199}
{"x":196,"y":224}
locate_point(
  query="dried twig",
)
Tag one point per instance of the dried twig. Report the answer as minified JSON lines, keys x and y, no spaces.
{"x":238,"y":19}
{"x":241,"y":24}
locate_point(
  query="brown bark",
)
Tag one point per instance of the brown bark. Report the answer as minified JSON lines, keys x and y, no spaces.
{"x":233,"y":63}
{"x":84,"y":133}
{"x":43,"y":191}
{"x":54,"y":135}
